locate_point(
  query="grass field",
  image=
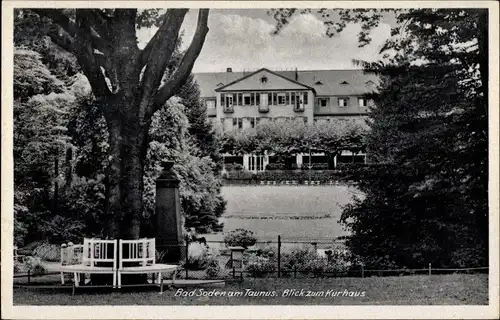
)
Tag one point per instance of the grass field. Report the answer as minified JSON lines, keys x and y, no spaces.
{"x":452,"y":289}
{"x":285,"y":208}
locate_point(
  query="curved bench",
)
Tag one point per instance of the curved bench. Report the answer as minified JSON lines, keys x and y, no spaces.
{"x":95,"y":256}
{"x":139,"y":257}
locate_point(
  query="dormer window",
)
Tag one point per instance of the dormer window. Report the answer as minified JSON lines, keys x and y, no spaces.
{"x":319,"y":83}
{"x":263,"y":79}
{"x":220,"y":84}
{"x":344,"y":82}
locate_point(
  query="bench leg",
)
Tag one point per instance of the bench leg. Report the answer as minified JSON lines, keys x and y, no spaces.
{"x":62,"y":277}
{"x":114,"y":279}
{"x":174,"y":276}
{"x":76,"y":279}
{"x":119,"y":280}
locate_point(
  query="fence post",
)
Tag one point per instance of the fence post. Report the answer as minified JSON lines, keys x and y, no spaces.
{"x":29,"y":277}
{"x":279,"y":255}
{"x":429,"y":268}
{"x":187,"y":254}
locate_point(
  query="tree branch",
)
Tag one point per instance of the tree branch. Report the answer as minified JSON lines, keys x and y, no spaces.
{"x":166,"y":30}
{"x":98,"y":22}
{"x":58,"y":17}
{"x":184,"y":70}
{"x":63,"y":37}
{"x":85,"y":54}
{"x":60,"y":37}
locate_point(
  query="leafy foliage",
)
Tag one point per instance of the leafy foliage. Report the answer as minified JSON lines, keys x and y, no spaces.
{"x":240,"y":237}
{"x":429,"y":134}
{"x":291,"y":137}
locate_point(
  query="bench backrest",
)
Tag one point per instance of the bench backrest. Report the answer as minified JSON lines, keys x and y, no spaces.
{"x":137,"y":252}
{"x":97,"y":251}
{"x":71,"y":254}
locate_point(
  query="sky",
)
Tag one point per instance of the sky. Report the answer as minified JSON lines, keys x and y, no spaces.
{"x":242,"y":39}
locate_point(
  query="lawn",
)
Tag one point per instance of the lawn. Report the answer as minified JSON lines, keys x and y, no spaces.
{"x":294,"y":212}
{"x":452,"y":289}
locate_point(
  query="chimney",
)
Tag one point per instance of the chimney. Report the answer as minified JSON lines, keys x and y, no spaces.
{"x":296,"y":75}
{"x":229,"y":70}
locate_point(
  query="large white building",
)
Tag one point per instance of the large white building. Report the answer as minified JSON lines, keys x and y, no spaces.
{"x":241,"y":100}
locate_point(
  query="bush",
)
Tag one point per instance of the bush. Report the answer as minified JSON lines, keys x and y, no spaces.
{"x":213,"y":268}
{"x":239,"y":175}
{"x":240,"y":237}
{"x":34,"y":265}
{"x":300,"y":176}
{"x":259,"y":266}
{"x":322,"y":268}
{"x":17,"y":267}
{"x":275,"y":166}
{"x":234,"y":167}
{"x":198,"y":257}
{"x":315,"y":166}
{"x":48,"y":252}
{"x":298,"y":258}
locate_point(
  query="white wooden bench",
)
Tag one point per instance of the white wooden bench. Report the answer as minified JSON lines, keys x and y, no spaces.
{"x":94,"y":253}
{"x":138,"y":257}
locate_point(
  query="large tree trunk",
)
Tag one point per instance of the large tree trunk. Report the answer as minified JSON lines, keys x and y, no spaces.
{"x":128,"y":141}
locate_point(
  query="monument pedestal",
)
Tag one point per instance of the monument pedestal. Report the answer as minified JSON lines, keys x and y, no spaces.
{"x":169,"y":242}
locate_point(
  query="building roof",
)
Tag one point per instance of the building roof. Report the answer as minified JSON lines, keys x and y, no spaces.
{"x":324,"y":82}
{"x":282,"y":82}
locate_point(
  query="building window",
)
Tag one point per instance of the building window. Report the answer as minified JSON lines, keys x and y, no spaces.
{"x":343,"y":102}
{"x":257,"y":98}
{"x":263,"y":79}
{"x":362,"y":102}
{"x":247,"y":99}
{"x":240,"y":99}
{"x":323,"y":102}
{"x":305,"y":97}
{"x":222,"y":100}
{"x":210,"y":104}
{"x":270,"y":98}
{"x":252,"y":123}
{"x":238,"y":123}
{"x":293,"y":98}
{"x":281,"y":99}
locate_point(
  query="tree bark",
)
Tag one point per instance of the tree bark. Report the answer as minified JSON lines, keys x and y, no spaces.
{"x":128,"y":141}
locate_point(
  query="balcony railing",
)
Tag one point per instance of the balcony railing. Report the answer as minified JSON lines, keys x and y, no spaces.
{"x":263,"y":109}
{"x":228,"y":109}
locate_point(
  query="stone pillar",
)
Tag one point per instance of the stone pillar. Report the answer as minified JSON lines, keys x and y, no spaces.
{"x":299,"y":160}
{"x":246,"y":164}
{"x":168,"y":215}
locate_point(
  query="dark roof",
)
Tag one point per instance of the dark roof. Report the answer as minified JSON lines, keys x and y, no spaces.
{"x":331,"y":81}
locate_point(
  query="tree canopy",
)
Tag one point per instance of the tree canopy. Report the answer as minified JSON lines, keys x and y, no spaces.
{"x":291,"y":137}
{"x":426,"y":199}
{"x":129,"y":84}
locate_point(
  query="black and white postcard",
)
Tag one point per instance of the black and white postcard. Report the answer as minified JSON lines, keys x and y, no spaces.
{"x":281,"y":160}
